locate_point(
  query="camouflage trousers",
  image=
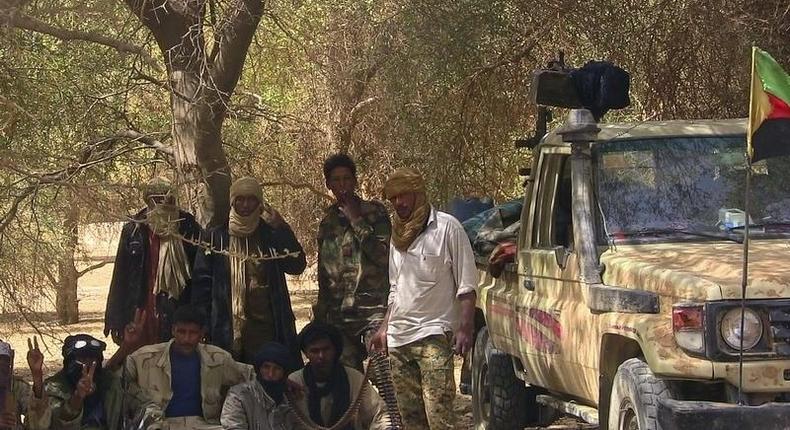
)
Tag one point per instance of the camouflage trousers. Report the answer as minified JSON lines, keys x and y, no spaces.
{"x":422,"y":373}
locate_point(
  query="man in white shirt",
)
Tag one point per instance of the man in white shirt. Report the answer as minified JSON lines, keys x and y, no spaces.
{"x":431,"y":303}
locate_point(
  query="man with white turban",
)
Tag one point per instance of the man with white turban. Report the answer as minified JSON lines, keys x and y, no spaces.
{"x":240,"y":280}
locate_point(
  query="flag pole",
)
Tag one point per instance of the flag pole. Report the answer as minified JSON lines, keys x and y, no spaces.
{"x":747,"y":221}
{"x":745,"y":275}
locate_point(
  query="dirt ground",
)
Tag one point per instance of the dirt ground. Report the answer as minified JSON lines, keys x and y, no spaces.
{"x":93,"y":294}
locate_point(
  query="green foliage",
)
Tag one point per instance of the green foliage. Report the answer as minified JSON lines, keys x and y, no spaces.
{"x":439,"y":85}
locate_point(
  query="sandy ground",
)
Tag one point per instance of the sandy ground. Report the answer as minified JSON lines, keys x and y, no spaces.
{"x":93,"y":294}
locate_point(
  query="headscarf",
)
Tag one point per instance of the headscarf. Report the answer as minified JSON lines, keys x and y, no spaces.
{"x":6,"y":350}
{"x":404,"y":231}
{"x":243,"y":226}
{"x":240,"y":229}
{"x":173,"y":269}
{"x":278,"y":354}
{"x":337,"y":386}
{"x":85,"y":344}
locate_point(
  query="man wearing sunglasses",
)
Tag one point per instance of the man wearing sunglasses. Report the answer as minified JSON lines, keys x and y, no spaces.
{"x":179,"y":384}
{"x":87,"y":393}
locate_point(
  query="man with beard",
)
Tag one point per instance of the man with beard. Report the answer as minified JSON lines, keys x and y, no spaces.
{"x":432,"y":278}
{"x":260,"y":404}
{"x":178,"y":384}
{"x":241,"y":283}
{"x":153,"y":265}
{"x":85,"y":394}
{"x":331,"y":388}
{"x":353,"y":251}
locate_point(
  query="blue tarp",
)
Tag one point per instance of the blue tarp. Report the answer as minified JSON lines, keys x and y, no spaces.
{"x":496,"y":225}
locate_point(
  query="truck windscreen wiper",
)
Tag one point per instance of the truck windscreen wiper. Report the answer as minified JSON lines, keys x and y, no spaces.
{"x":664,"y":231}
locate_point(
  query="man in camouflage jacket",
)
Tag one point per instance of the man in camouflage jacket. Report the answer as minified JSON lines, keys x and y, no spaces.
{"x":353,"y":258}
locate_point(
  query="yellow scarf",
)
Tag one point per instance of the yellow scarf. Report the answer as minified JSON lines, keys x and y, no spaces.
{"x":173,"y":269}
{"x":404,"y":231}
{"x":240,"y":229}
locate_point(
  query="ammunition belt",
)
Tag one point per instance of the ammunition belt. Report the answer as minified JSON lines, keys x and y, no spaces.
{"x":377,"y":371}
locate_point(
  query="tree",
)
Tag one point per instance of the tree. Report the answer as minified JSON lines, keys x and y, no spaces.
{"x":202,"y":77}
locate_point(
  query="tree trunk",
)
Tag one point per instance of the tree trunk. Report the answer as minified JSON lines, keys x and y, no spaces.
{"x":66,"y":301}
{"x":200,"y":158}
{"x":202,"y":80}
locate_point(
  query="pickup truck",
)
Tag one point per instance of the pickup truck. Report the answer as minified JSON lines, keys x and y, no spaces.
{"x":623,"y":303}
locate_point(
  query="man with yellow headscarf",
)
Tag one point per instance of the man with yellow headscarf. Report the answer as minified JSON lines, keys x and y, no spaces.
{"x":153,"y":265}
{"x":240,"y":279}
{"x":431,"y":304}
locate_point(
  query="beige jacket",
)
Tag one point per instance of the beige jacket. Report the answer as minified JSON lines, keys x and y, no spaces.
{"x":147,"y":374}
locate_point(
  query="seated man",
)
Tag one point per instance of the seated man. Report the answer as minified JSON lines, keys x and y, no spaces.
{"x":258,"y":405}
{"x":330,"y":388}
{"x":178,"y":384}
{"x":86,"y":394}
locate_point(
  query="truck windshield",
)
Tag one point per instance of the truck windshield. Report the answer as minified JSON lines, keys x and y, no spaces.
{"x":689,"y":186}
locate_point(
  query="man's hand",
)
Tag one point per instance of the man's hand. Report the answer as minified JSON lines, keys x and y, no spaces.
{"x":462,"y":341}
{"x":35,"y":359}
{"x":271,"y":216}
{"x":378,"y":342}
{"x":350,"y":206}
{"x":8,"y":420}
{"x":133,"y":333}
{"x":85,"y":386}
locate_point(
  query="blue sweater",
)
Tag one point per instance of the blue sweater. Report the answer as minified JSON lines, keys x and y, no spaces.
{"x":185,"y":383}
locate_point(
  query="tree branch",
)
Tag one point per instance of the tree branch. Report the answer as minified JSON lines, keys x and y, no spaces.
{"x":84,"y":161}
{"x":92,"y":267}
{"x":236,"y":32}
{"x":22,"y":21}
{"x":146,"y":140}
{"x":298,"y":185}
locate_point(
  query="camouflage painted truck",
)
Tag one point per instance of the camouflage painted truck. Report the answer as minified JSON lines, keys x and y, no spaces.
{"x":623,"y":304}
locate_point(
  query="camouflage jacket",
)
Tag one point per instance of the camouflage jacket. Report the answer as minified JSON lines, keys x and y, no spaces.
{"x":27,"y":404}
{"x":147,"y":375}
{"x":53,"y":412}
{"x":353,"y":259}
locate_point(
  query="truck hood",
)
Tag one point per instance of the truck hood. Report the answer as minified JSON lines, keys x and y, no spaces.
{"x":700,"y":271}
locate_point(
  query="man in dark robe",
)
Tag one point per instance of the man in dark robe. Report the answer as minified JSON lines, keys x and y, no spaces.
{"x":240,"y":280}
{"x":153,"y":265}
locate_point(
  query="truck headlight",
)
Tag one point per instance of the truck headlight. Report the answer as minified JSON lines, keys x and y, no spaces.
{"x":730,"y":327}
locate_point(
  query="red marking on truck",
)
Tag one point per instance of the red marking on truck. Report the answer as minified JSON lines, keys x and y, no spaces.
{"x":528,"y":320}
{"x":547,"y":320}
{"x":536,"y":338}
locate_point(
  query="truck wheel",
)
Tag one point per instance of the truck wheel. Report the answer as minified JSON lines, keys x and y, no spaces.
{"x":635,"y":395}
{"x":500,"y":401}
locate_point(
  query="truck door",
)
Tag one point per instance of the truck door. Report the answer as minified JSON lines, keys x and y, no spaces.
{"x":551,"y":294}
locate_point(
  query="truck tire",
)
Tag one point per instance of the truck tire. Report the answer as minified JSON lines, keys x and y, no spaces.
{"x":500,"y":401}
{"x":635,"y":395}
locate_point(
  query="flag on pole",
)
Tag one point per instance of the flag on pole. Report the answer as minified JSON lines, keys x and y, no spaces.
{"x":769,"y":108}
